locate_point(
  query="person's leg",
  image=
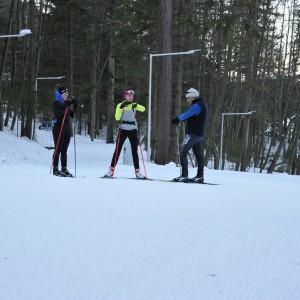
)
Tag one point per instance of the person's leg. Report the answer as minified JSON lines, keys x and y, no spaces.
{"x":187,"y":144}
{"x":134,"y":142}
{"x":133,"y":139}
{"x":199,"y":154}
{"x":58,"y":146}
{"x":119,"y":145}
{"x":64,"y":148}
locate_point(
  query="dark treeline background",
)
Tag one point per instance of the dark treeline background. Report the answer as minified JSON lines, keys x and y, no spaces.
{"x":248,"y":60}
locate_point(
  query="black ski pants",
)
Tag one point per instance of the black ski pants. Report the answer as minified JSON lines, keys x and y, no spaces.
{"x":133,"y":139}
{"x":192,"y":142}
{"x":62,"y":146}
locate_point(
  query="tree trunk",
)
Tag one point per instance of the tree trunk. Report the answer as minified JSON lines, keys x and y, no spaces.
{"x":94,"y":65}
{"x":37,"y":52}
{"x":165,"y":92}
{"x":3,"y":60}
{"x":14,"y":120}
{"x":293,"y":147}
{"x":71,"y":77}
{"x":176,"y":104}
{"x":8,"y":112}
{"x":280,"y":146}
{"x":250,"y":81}
{"x":154,"y":109}
{"x":93,"y":115}
{"x":32,"y":74}
{"x":111,"y":97}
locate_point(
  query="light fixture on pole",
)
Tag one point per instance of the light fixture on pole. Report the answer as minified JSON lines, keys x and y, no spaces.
{"x":222,"y":130}
{"x":150,"y":91}
{"x":22,"y":33}
{"x":46,"y":78}
{"x":35,"y":89}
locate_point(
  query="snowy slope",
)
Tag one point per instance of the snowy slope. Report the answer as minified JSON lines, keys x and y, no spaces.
{"x":89,"y":238}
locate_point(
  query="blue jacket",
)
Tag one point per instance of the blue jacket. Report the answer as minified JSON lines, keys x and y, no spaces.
{"x":196,"y":117}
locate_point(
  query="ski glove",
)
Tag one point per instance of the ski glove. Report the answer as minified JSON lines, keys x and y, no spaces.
{"x":125,"y":103}
{"x":175,"y":121}
{"x":68,"y":102}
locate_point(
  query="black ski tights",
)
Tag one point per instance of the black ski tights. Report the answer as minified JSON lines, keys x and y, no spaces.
{"x":62,"y":146}
{"x":133,"y":139}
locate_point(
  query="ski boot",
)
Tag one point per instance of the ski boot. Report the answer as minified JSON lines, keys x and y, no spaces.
{"x":181,"y":179}
{"x":66,"y":173}
{"x":110,"y":172}
{"x":139,"y":175}
{"x":56,"y":172}
{"x":197,"y":179}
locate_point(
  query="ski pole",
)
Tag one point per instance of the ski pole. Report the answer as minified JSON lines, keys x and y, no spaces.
{"x":117,"y":148}
{"x":178,"y":149}
{"x":74,"y":133}
{"x":60,"y":131}
{"x":143,"y":160}
{"x":74,"y":136}
{"x":118,"y":142}
{"x":140,"y":144}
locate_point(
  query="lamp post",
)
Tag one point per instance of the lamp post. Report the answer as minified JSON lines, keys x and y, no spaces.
{"x":150,"y":91}
{"x":22,"y":32}
{"x":35,"y":89}
{"x":222,"y":130}
{"x":46,"y":78}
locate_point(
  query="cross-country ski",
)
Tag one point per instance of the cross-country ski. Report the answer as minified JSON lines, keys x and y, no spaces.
{"x":155,"y":179}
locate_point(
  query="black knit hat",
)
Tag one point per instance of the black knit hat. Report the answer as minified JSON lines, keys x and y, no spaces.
{"x":62,"y":89}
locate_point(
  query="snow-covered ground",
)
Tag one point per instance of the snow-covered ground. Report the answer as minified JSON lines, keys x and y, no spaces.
{"x":89,"y":238}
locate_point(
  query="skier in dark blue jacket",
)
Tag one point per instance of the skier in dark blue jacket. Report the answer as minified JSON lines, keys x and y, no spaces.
{"x":196,"y":117}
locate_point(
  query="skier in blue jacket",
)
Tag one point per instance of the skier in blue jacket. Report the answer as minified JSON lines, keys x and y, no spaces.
{"x":62,"y":111}
{"x":196,"y":117}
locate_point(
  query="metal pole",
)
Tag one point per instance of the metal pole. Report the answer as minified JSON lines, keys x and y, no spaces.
{"x":222,"y":131}
{"x":35,"y":112}
{"x":74,"y":136}
{"x":221,"y":146}
{"x":36,"y":98}
{"x":18,"y":125}
{"x":149,"y":101}
{"x":149,"y":111}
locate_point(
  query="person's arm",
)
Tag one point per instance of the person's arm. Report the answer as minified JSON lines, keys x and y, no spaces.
{"x":195,"y":109}
{"x":139,"y":107}
{"x":58,"y":113}
{"x":59,"y":109}
{"x":118,"y":112}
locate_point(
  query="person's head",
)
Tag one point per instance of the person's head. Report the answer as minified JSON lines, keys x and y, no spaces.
{"x":191,"y":95}
{"x":128,"y":95}
{"x":61,"y":93}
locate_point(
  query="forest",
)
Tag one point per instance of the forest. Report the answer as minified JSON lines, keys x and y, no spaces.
{"x":246,"y":67}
